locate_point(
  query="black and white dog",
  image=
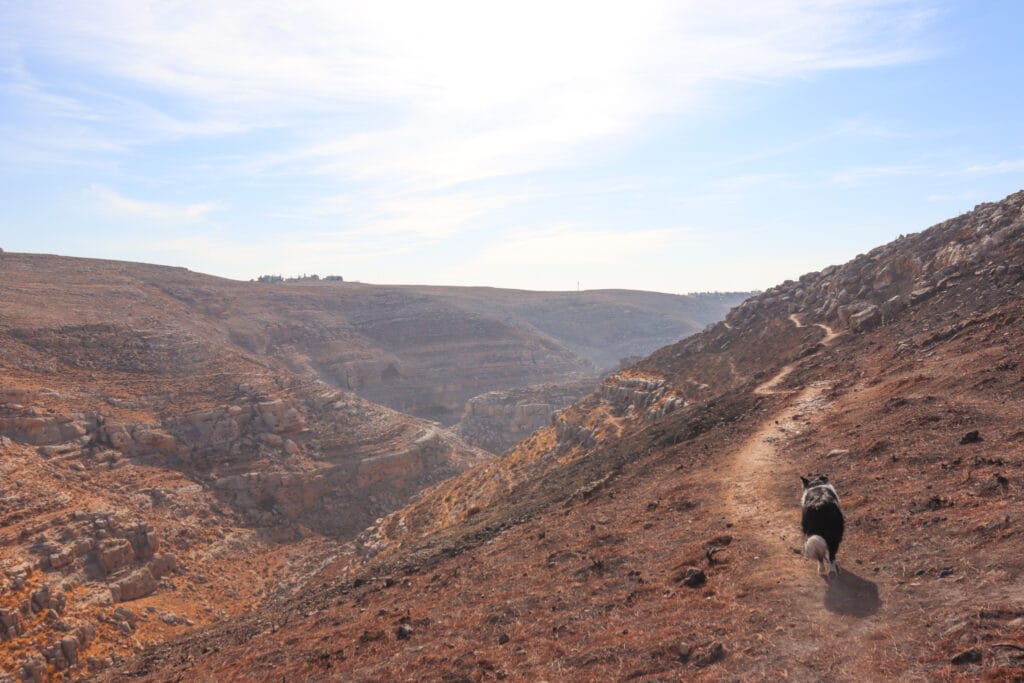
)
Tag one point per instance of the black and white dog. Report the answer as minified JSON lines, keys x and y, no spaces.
{"x":822,"y":522}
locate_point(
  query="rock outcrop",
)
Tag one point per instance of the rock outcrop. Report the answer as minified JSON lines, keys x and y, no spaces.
{"x":877,"y":287}
{"x":498,"y":420}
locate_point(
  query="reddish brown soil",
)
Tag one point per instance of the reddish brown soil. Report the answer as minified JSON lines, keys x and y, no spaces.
{"x":570,"y":562}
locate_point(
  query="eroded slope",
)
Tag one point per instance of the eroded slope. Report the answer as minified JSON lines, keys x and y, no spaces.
{"x":177,"y":448}
{"x":652,"y":532}
{"x":156,"y":477}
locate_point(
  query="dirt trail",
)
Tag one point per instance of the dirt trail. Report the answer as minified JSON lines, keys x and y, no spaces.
{"x":764,"y":488}
{"x":768,"y":388}
{"x":756,"y":464}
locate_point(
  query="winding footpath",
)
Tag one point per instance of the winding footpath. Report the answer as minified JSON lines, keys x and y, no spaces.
{"x":758,"y":471}
{"x":757,"y":466}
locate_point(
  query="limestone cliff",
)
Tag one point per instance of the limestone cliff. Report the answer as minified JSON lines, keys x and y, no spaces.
{"x":498,"y":420}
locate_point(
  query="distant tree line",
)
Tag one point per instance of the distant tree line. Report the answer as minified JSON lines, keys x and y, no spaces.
{"x":717,"y":293}
{"x":301,"y":278}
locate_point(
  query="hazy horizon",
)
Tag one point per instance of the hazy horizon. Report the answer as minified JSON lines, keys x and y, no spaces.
{"x":321,"y":277}
{"x":671,"y":147}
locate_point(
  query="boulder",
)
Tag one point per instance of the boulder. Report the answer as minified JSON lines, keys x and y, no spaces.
{"x":212,"y":432}
{"x":162,"y":564}
{"x":54,"y":656}
{"x":921,"y":293}
{"x":114,"y":554}
{"x":280,"y":417}
{"x":41,"y":598}
{"x":865,"y":319}
{"x":118,"y":437}
{"x":83,"y":546}
{"x":10,"y":623}
{"x":144,"y":541}
{"x":138,"y":584}
{"x":62,"y":558}
{"x":271,"y":440}
{"x":85,"y":633}
{"x":694,"y":578}
{"x":43,"y":430}
{"x":151,"y":440}
{"x":900,"y":271}
{"x":69,"y":647}
{"x":33,"y":670}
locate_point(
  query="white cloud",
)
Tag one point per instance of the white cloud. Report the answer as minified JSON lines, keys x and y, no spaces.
{"x":117,"y":205}
{"x":464,"y":90}
{"x":857,"y":175}
{"x":997,"y":167}
{"x":421,"y":216}
{"x":384,"y":114}
{"x":432,"y":216}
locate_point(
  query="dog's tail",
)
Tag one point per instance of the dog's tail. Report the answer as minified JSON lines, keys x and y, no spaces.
{"x":816,"y":549}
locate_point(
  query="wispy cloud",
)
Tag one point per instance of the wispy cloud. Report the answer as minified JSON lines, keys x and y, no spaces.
{"x":996,"y":167}
{"x":937,"y":168}
{"x":364,"y":123}
{"x":434,"y":216}
{"x":857,"y":175}
{"x":467,"y":90}
{"x":117,"y":205}
{"x":417,"y":215}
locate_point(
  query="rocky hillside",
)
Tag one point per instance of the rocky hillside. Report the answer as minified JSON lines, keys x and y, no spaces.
{"x":651,"y":532}
{"x":177,"y":448}
{"x":156,"y":476}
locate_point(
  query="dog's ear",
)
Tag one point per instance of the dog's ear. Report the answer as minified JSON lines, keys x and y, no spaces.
{"x":824,"y":479}
{"x":806,"y":481}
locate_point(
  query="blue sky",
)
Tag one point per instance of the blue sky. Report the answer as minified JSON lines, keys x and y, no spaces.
{"x":673,"y":146}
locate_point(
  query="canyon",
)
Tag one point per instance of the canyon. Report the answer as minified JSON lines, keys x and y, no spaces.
{"x":176,"y":448}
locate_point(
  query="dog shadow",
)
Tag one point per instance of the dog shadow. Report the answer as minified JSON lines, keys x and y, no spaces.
{"x":852,"y":595}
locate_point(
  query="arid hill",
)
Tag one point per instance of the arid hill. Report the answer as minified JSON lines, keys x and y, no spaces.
{"x":156,"y":475}
{"x":652,"y":532}
{"x":601,"y":326}
{"x":176,"y":448}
